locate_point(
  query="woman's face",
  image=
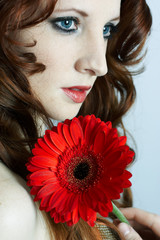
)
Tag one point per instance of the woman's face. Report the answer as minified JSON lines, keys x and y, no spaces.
{"x":72,"y":45}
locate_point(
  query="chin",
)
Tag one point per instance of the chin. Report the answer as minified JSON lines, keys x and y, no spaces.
{"x":66,"y":114}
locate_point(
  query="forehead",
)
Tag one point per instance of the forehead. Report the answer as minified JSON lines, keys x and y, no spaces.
{"x":99,"y":8}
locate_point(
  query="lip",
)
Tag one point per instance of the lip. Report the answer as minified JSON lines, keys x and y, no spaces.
{"x":77,"y":93}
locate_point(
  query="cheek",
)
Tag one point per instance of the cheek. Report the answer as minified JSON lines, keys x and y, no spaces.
{"x":56,"y":51}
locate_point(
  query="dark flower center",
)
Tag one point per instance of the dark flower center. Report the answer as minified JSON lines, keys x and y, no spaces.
{"x":81,"y":170}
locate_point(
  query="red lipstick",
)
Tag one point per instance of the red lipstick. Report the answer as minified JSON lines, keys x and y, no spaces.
{"x":77,"y":93}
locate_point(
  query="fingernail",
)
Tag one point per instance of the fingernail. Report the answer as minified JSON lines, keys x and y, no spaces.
{"x":124,"y":228}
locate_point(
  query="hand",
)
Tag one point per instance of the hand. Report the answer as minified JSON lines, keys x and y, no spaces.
{"x":145,"y":225}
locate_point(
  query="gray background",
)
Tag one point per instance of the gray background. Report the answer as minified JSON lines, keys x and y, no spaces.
{"x":143,"y":122}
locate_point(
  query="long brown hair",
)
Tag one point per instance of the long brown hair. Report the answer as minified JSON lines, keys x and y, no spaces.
{"x":112,"y":94}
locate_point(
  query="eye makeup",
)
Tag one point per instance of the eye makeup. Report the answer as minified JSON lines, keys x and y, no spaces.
{"x":70,"y":24}
{"x":65,"y":24}
{"x":109,"y":29}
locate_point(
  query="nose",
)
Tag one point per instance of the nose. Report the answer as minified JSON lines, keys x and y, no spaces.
{"x":92,"y":57}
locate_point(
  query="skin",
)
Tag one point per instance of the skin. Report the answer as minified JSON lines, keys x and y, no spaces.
{"x":71,"y":60}
{"x":145,"y":225}
{"x":74,"y":59}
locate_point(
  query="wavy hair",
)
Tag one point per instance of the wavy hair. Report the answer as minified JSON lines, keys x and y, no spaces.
{"x":112,"y":96}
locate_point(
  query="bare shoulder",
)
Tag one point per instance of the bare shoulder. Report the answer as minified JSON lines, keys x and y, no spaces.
{"x":17,"y":209}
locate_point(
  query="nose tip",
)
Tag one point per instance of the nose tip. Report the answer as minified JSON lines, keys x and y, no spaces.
{"x":100,"y":67}
{"x":92,"y":59}
{"x":93,"y":65}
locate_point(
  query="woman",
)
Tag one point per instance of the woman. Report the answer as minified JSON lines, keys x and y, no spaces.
{"x":55,"y":65}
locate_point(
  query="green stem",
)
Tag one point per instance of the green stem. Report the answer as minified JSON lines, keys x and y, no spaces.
{"x":119,"y":214}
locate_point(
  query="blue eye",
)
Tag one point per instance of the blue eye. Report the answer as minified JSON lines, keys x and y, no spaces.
{"x":108,"y":30}
{"x":65,"y":24}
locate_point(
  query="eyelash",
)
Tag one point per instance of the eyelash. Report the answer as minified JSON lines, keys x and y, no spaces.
{"x":56,"y":24}
{"x":70,"y":21}
{"x":113,"y":28}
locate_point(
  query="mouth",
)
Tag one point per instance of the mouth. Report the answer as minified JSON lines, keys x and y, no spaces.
{"x":77,"y":93}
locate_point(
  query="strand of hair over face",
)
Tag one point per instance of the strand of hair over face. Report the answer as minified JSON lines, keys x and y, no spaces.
{"x":111,"y":97}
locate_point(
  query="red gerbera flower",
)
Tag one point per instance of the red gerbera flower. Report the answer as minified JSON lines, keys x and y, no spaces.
{"x":78,"y":168}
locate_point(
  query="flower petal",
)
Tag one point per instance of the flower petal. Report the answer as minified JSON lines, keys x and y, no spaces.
{"x":62,"y":207}
{"x":46,"y":147}
{"x":37,"y":178}
{"x":127,"y":174}
{"x":112,"y":140}
{"x":55,"y":198}
{"x":75,"y":216}
{"x":44,"y":161}
{"x":71,"y":203}
{"x":76,"y":131}
{"x":92,"y":220}
{"x":113,"y":159}
{"x":44,"y":203}
{"x":122,"y":140}
{"x":32,"y":168}
{"x":96,"y":194}
{"x":58,"y":141}
{"x":87,"y":200}
{"x":99,"y":142}
{"x":50,"y":143}
{"x":85,"y":212}
{"x":48,"y":190}
{"x":67,"y":217}
{"x":67,"y":121}
{"x":53,"y":180}
{"x":105,"y":208}
{"x":35,"y":190}
{"x":67,"y":135}
{"x":89,"y":132}
{"x":57,"y":217}
{"x":60,"y":129}
{"x":84,"y":120}
{"x":39,"y":151}
{"x":109,"y":124}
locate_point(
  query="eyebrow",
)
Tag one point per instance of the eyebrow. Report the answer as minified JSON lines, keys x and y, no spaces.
{"x":114,"y":19}
{"x":84,"y":14}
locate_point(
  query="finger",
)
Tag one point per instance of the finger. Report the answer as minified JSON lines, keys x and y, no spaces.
{"x":116,"y":222}
{"x":147,"y":219}
{"x":128,"y":232}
